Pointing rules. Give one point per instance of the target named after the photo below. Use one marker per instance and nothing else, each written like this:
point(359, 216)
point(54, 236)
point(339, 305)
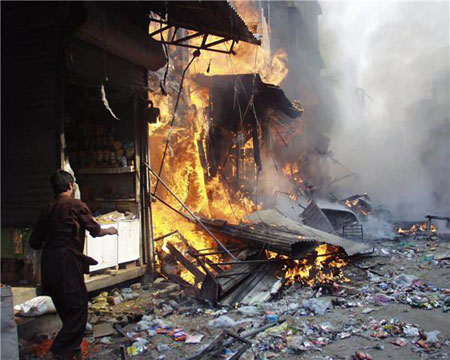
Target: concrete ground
point(354, 321)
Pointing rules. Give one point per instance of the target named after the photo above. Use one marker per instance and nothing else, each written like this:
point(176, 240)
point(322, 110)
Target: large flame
point(183, 170)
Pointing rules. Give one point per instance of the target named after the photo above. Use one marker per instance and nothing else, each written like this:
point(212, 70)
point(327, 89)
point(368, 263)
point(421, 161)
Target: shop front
point(82, 107)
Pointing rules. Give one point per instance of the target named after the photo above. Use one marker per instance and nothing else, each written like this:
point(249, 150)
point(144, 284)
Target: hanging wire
point(194, 56)
point(251, 105)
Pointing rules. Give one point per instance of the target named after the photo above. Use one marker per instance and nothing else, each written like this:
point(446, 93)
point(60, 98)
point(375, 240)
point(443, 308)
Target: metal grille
point(353, 232)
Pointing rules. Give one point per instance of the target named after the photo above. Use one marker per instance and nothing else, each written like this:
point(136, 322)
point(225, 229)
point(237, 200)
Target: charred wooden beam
point(194, 253)
point(199, 276)
point(210, 290)
point(178, 280)
point(243, 349)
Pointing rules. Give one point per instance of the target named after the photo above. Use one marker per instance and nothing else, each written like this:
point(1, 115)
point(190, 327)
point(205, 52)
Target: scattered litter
point(367, 310)
point(382, 300)
point(298, 343)
point(162, 347)
point(362, 356)
point(225, 321)
point(399, 342)
point(103, 329)
point(37, 306)
point(136, 348)
point(317, 306)
point(194, 339)
point(410, 331)
point(249, 310)
point(177, 334)
point(432, 336)
point(446, 305)
point(106, 340)
point(130, 296)
point(405, 280)
point(271, 317)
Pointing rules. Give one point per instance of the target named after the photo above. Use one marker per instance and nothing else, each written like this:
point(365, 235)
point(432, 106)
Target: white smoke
point(394, 51)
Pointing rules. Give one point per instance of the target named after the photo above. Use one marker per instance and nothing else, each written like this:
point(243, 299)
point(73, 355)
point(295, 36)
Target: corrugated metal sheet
point(314, 217)
point(300, 233)
point(87, 63)
point(29, 135)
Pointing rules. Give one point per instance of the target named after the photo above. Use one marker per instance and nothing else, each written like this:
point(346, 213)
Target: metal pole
point(151, 247)
point(190, 212)
point(164, 236)
point(173, 209)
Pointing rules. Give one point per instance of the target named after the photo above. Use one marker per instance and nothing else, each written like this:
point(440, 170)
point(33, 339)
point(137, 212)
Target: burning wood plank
point(199, 276)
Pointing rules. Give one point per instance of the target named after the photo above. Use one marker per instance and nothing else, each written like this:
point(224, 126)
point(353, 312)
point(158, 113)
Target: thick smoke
point(388, 63)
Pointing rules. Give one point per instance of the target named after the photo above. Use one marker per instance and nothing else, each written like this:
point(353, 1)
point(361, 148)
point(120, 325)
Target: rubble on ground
point(395, 301)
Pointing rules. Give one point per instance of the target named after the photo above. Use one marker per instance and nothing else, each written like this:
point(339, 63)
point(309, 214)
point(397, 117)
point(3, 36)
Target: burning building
point(227, 140)
point(179, 132)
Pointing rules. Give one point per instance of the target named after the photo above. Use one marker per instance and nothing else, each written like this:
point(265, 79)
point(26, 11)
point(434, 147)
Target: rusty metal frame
point(183, 41)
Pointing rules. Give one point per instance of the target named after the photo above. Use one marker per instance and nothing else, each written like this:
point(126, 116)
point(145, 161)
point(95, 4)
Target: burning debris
point(358, 203)
point(233, 142)
point(266, 259)
point(426, 228)
point(417, 229)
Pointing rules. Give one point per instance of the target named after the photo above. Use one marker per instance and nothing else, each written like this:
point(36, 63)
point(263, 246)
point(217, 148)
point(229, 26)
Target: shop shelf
point(95, 171)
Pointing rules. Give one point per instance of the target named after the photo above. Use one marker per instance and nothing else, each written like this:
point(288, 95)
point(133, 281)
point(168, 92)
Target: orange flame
point(182, 169)
point(416, 228)
point(323, 267)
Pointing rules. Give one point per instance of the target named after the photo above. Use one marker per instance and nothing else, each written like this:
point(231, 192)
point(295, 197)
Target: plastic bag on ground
point(318, 307)
point(432, 336)
point(37, 306)
point(405, 280)
point(222, 322)
point(249, 310)
point(410, 331)
point(225, 321)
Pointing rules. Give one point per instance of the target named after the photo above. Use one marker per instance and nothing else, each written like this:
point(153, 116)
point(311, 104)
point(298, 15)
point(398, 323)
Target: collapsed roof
point(231, 92)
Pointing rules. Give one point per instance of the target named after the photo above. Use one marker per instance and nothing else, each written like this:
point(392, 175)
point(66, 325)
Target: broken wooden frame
point(194, 217)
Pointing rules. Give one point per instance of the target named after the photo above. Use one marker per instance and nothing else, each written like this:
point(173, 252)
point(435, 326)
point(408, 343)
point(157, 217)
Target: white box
point(103, 249)
point(129, 235)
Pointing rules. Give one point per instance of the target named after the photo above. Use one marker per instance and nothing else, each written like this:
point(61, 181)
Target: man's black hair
point(61, 180)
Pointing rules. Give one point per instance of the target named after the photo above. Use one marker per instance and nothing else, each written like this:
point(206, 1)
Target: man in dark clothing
point(60, 231)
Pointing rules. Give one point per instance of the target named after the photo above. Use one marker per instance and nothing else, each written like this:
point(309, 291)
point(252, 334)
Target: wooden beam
point(199, 276)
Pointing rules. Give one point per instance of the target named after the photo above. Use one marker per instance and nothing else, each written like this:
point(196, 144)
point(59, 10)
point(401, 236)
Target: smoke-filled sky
point(398, 141)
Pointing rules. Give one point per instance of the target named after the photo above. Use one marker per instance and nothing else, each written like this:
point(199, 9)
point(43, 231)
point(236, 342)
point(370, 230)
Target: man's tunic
point(60, 232)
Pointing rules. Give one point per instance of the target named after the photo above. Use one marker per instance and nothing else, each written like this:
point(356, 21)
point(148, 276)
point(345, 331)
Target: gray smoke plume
point(388, 63)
